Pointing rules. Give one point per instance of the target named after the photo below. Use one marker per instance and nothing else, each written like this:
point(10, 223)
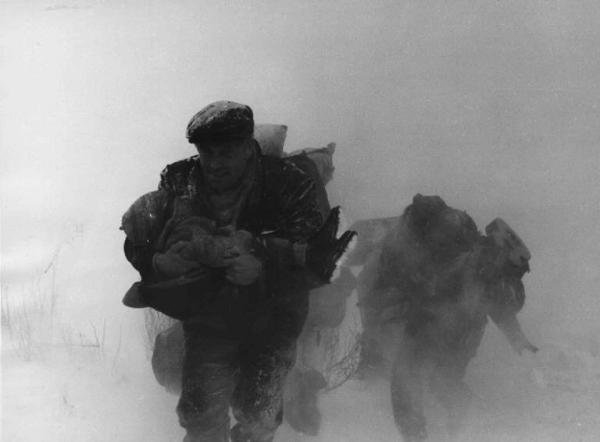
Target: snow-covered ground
point(94, 383)
point(81, 394)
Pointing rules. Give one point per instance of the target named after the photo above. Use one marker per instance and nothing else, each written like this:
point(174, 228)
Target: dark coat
point(279, 203)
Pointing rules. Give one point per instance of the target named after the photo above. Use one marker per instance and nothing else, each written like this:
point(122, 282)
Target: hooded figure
point(425, 297)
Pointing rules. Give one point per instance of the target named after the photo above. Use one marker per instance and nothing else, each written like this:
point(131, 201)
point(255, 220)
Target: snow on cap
point(221, 120)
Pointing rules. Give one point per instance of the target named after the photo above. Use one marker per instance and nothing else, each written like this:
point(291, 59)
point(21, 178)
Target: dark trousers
point(246, 374)
point(440, 359)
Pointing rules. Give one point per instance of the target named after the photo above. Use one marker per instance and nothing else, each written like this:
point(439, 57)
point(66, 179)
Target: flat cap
point(221, 120)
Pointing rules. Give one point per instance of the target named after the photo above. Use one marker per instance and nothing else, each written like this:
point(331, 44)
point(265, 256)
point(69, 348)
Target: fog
point(491, 105)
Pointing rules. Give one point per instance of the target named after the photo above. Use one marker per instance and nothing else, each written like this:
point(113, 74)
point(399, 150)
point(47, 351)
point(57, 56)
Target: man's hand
point(244, 269)
point(325, 249)
point(510, 327)
point(523, 344)
point(213, 251)
point(172, 264)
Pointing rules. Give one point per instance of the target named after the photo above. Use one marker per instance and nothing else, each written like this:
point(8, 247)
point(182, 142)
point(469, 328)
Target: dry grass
point(29, 324)
point(343, 355)
point(21, 317)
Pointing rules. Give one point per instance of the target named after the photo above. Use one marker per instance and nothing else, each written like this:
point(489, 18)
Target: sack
point(271, 138)
point(320, 157)
point(167, 358)
point(370, 238)
point(327, 304)
point(507, 239)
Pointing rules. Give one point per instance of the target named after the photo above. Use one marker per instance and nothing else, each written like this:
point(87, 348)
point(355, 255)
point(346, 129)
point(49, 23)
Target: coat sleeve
point(290, 194)
point(299, 216)
point(143, 224)
point(144, 221)
point(141, 258)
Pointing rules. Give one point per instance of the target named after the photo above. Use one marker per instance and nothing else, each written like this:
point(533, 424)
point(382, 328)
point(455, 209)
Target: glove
point(243, 270)
point(324, 250)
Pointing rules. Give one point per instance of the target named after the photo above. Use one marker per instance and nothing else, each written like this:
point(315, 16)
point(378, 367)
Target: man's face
point(224, 162)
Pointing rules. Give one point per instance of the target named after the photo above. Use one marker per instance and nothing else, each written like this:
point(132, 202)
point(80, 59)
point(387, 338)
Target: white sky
point(491, 105)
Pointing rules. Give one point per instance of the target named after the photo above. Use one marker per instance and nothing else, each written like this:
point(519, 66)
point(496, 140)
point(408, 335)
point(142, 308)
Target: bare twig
point(118, 351)
point(344, 368)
